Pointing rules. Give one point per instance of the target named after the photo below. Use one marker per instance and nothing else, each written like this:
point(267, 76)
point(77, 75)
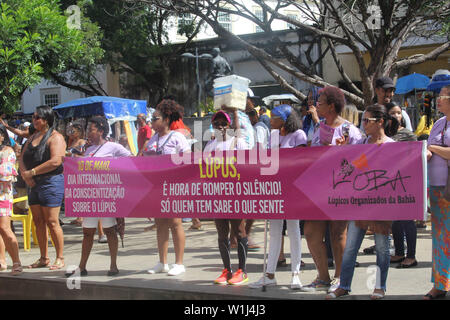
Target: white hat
point(26, 124)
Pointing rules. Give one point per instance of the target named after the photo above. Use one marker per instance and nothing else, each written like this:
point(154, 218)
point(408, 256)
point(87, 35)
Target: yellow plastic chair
point(28, 225)
point(27, 221)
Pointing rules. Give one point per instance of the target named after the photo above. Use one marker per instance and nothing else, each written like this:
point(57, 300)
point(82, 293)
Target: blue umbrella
point(439, 81)
point(415, 81)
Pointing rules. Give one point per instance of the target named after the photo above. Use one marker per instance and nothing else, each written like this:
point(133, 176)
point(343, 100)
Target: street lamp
point(196, 56)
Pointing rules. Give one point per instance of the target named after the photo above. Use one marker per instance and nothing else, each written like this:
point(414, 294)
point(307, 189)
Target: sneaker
point(102, 239)
point(334, 285)
point(176, 270)
point(265, 280)
point(238, 278)
point(295, 282)
point(224, 277)
point(316, 285)
point(159, 268)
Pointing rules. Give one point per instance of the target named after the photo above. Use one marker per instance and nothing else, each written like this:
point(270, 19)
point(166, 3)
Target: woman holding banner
point(330, 104)
point(226, 228)
point(379, 125)
point(97, 131)
point(163, 142)
point(285, 120)
point(438, 175)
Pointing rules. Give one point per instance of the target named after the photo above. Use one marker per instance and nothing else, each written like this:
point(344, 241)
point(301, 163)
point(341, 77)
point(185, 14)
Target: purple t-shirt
point(291, 140)
point(438, 166)
point(108, 149)
point(172, 143)
point(354, 135)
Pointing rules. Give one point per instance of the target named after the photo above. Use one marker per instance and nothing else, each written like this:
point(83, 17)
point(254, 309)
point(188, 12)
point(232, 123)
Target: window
point(50, 97)
point(224, 19)
point(259, 15)
point(293, 17)
point(184, 20)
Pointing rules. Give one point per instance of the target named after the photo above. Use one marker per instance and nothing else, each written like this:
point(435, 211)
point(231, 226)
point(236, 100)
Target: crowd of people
point(39, 165)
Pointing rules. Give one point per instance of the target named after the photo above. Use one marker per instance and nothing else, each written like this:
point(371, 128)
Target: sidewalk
point(203, 265)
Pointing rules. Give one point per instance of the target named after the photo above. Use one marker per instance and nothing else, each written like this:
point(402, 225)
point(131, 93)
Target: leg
point(354, 240)
point(296, 244)
point(223, 230)
point(179, 239)
point(41, 230)
point(411, 240)
point(113, 244)
point(383, 260)
point(9, 239)
point(101, 233)
point(397, 234)
point(238, 225)
point(88, 241)
point(3, 265)
point(275, 234)
point(338, 236)
point(162, 234)
point(51, 216)
point(314, 233)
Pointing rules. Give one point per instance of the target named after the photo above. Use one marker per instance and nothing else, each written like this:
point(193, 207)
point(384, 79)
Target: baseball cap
point(26, 124)
point(221, 112)
point(384, 82)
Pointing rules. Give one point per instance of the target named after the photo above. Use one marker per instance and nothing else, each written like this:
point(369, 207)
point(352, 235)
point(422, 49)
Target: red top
point(144, 133)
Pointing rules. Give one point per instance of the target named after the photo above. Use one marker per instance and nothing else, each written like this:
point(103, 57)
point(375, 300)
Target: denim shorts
point(48, 191)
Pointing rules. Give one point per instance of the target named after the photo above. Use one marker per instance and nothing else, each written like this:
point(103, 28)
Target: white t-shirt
point(172, 143)
point(216, 145)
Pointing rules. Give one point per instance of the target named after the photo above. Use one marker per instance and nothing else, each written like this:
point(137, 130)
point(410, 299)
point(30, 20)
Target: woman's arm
point(22, 169)
point(443, 152)
point(21, 133)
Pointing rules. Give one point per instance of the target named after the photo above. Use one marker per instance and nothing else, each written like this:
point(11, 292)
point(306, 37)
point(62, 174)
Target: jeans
point(355, 237)
point(405, 228)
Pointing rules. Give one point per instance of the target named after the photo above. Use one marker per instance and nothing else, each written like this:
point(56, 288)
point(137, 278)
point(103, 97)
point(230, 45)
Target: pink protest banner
point(354, 182)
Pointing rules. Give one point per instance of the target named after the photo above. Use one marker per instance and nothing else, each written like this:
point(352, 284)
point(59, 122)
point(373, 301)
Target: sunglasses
point(155, 119)
point(36, 117)
point(366, 120)
point(220, 123)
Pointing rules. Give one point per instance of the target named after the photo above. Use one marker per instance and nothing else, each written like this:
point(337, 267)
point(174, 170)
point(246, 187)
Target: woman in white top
point(163, 142)
point(285, 120)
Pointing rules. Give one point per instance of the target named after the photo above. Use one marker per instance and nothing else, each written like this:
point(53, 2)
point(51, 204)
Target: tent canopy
point(438, 82)
point(415, 81)
point(114, 109)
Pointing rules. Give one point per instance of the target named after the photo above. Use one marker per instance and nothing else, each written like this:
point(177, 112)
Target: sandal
point(281, 263)
point(16, 269)
point(429, 296)
point(333, 295)
point(377, 296)
point(59, 264)
point(199, 228)
point(41, 263)
point(3, 267)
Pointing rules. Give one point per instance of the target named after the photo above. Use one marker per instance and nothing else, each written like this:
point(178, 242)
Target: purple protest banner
point(354, 182)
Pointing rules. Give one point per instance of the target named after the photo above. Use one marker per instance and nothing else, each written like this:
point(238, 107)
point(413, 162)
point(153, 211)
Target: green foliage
point(207, 106)
point(35, 42)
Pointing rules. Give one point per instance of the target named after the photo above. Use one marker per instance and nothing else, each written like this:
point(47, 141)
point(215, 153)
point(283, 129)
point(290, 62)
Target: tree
point(376, 28)
point(36, 42)
point(136, 44)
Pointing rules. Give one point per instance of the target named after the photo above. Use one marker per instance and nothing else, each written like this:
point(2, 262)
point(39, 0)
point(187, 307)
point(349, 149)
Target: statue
point(219, 68)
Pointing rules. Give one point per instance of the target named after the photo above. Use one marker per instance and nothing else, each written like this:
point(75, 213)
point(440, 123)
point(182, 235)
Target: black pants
point(237, 228)
point(399, 230)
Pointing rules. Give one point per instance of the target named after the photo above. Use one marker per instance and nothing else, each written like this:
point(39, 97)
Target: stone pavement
point(203, 264)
